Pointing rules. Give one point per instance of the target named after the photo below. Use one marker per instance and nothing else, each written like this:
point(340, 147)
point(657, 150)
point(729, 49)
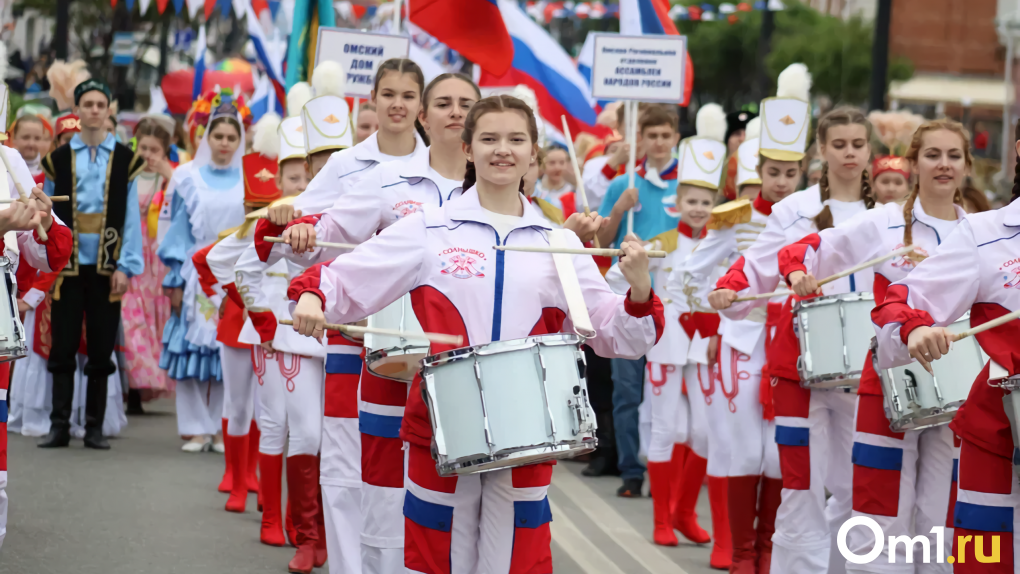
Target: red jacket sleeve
point(792, 257)
point(59, 241)
point(308, 282)
point(205, 275)
point(653, 306)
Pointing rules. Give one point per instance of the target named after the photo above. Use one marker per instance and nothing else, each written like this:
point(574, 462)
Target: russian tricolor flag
point(472, 27)
point(640, 17)
point(541, 64)
point(271, 64)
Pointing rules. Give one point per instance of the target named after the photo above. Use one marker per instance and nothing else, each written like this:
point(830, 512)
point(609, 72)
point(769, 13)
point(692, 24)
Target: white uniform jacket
point(460, 284)
point(680, 328)
point(975, 269)
point(387, 193)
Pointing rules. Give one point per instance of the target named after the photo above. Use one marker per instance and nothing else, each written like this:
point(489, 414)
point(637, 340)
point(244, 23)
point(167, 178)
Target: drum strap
point(11, 237)
point(571, 286)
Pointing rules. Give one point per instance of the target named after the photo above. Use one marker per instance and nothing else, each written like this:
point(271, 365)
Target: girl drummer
point(974, 269)
point(919, 463)
point(813, 427)
point(461, 285)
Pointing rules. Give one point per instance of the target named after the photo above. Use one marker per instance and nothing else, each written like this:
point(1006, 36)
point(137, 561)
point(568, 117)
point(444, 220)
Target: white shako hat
point(292, 141)
point(326, 119)
point(786, 118)
point(703, 157)
point(747, 155)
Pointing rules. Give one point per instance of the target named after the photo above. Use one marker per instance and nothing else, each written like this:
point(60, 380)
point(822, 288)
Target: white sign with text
point(647, 68)
point(360, 54)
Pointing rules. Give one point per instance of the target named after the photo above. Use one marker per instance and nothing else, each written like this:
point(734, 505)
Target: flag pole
point(396, 17)
point(354, 116)
point(631, 121)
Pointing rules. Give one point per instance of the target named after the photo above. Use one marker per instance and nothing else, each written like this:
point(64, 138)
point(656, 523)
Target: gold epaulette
point(666, 241)
point(226, 232)
point(552, 212)
point(729, 214)
point(261, 213)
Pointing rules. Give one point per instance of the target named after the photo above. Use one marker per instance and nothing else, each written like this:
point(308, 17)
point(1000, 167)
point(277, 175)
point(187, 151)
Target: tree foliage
point(837, 51)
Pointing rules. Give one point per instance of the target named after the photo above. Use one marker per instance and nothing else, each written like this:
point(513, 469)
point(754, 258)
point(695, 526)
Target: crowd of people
point(214, 264)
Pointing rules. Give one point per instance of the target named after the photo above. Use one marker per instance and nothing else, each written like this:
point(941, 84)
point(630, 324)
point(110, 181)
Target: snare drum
point(508, 404)
point(834, 333)
point(915, 400)
point(395, 357)
point(1011, 404)
point(12, 332)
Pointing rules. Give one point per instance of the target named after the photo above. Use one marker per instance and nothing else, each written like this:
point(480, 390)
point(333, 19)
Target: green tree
point(837, 51)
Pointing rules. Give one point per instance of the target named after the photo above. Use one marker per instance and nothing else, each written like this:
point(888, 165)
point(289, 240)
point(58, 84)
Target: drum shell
point(508, 378)
point(834, 332)
point(13, 345)
point(395, 357)
point(955, 372)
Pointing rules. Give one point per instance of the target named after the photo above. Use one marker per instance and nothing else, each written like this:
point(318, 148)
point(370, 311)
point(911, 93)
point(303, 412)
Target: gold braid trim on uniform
point(262, 212)
point(47, 166)
point(666, 241)
point(552, 212)
point(729, 214)
point(226, 233)
point(136, 166)
point(244, 228)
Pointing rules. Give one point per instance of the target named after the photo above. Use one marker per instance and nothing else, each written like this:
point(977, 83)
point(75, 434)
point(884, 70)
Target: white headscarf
point(203, 155)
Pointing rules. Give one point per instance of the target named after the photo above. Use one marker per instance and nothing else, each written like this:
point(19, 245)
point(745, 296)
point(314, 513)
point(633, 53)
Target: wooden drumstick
point(569, 251)
point(840, 275)
point(317, 244)
point(54, 199)
point(986, 326)
point(24, 196)
point(355, 330)
point(577, 176)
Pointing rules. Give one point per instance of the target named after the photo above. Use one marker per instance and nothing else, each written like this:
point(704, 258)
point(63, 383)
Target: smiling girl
point(916, 495)
point(497, 519)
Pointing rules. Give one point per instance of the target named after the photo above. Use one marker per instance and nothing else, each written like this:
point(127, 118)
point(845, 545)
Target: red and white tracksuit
point(975, 269)
point(215, 267)
point(497, 521)
point(383, 195)
point(922, 462)
point(814, 428)
point(46, 257)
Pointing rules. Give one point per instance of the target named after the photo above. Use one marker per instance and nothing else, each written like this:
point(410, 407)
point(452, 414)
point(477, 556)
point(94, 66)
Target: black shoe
point(95, 439)
point(57, 437)
point(600, 466)
point(134, 403)
point(631, 488)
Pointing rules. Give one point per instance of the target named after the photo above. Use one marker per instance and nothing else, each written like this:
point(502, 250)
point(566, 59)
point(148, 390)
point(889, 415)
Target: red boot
point(288, 525)
point(302, 486)
point(320, 547)
point(685, 498)
point(272, 487)
point(722, 547)
point(771, 496)
point(237, 453)
point(227, 482)
point(659, 482)
point(253, 457)
point(743, 506)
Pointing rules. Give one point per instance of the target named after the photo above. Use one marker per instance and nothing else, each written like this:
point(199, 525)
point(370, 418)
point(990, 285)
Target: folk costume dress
point(207, 199)
point(498, 521)
point(975, 268)
point(922, 460)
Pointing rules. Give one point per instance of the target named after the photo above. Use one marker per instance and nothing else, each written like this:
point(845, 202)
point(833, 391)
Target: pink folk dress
point(144, 308)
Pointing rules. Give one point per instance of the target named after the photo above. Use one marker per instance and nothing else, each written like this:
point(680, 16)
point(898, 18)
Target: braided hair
point(500, 103)
point(842, 116)
point(913, 153)
point(1016, 170)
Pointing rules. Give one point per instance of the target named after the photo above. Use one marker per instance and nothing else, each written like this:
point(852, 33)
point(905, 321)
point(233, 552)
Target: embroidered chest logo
point(462, 263)
point(1011, 274)
point(407, 207)
point(905, 262)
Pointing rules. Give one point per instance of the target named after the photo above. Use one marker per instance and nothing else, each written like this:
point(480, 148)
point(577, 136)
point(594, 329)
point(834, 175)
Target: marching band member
point(367, 122)
point(675, 475)
point(812, 427)
point(455, 522)
point(99, 174)
point(656, 179)
point(923, 460)
point(736, 134)
point(742, 455)
point(892, 178)
point(599, 171)
point(67, 126)
point(208, 197)
point(389, 193)
point(553, 185)
point(975, 269)
point(30, 137)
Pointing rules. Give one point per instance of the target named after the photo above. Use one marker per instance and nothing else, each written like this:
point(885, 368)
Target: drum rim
point(453, 355)
point(831, 299)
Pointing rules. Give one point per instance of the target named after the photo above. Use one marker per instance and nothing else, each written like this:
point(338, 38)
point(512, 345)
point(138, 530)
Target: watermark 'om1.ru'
point(975, 545)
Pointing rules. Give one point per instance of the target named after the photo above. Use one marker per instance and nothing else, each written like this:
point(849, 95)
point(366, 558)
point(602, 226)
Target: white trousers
point(753, 449)
point(665, 412)
point(924, 461)
point(710, 435)
point(814, 431)
point(199, 407)
point(341, 507)
point(290, 403)
point(239, 382)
